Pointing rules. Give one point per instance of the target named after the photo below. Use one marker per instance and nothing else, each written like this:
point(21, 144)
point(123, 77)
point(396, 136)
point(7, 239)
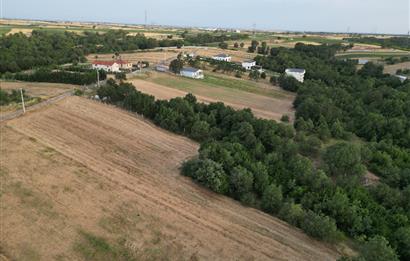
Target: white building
point(362, 61)
point(192, 73)
point(222, 57)
point(298, 74)
point(112, 66)
point(248, 64)
point(402, 78)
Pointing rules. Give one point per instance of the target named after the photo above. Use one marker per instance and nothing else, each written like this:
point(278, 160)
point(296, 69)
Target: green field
point(213, 81)
point(372, 54)
point(4, 29)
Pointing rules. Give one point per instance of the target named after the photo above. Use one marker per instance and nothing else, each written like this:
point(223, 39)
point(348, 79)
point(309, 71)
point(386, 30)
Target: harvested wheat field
point(87, 181)
point(38, 89)
point(151, 57)
point(262, 106)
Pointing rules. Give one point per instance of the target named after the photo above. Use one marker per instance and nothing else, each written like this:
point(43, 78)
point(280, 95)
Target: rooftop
point(222, 55)
point(190, 69)
point(295, 70)
point(109, 63)
point(249, 61)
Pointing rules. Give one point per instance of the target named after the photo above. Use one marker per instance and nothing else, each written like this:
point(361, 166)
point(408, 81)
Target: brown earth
point(391, 69)
point(38, 89)
point(81, 167)
point(262, 106)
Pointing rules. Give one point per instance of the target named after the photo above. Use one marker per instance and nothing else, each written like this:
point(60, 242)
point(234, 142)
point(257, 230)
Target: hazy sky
point(374, 16)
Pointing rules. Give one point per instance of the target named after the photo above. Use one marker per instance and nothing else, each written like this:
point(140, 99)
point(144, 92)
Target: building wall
point(248, 66)
point(298, 76)
point(224, 59)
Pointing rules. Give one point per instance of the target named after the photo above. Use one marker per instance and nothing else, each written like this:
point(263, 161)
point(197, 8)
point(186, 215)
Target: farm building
point(108, 66)
point(112, 66)
point(222, 57)
point(362, 61)
point(192, 73)
point(298, 74)
point(248, 64)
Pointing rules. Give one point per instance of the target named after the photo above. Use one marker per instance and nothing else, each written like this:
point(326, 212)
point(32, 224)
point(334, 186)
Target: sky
point(364, 16)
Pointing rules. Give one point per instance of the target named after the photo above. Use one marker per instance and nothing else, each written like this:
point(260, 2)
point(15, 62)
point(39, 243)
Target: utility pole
point(146, 17)
point(98, 78)
point(22, 100)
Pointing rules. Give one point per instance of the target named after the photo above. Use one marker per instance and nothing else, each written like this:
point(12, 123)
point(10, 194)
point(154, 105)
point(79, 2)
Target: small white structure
point(362, 61)
point(222, 57)
point(108, 66)
point(248, 64)
point(402, 78)
point(298, 74)
point(112, 66)
point(192, 73)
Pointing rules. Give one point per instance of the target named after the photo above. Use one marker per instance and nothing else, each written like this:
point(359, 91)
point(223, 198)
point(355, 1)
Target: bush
point(319, 226)
point(272, 199)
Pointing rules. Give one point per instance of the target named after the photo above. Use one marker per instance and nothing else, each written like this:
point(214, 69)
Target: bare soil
point(80, 165)
point(262, 106)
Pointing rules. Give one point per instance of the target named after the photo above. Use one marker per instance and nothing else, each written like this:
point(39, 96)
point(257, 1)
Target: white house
point(362, 61)
point(192, 73)
point(108, 66)
point(248, 64)
point(222, 57)
point(112, 66)
point(298, 74)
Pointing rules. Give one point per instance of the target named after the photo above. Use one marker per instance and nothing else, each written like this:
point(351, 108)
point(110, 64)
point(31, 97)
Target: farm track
point(127, 160)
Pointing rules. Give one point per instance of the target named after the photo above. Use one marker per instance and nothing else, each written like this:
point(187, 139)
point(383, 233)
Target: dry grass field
point(265, 102)
point(86, 181)
point(391, 69)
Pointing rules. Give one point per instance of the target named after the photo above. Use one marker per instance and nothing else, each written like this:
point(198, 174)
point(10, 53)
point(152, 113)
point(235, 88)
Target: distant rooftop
point(295, 70)
point(222, 55)
point(190, 69)
point(248, 61)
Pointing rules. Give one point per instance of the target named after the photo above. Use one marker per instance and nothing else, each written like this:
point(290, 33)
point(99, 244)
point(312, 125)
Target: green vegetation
point(13, 97)
point(215, 81)
point(374, 54)
point(270, 166)
point(92, 247)
point(59, 76)
point(398, 42)
point(206, 38)
point(4, 30)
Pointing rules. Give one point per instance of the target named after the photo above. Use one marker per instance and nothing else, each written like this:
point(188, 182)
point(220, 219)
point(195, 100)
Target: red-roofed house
point(112, 66)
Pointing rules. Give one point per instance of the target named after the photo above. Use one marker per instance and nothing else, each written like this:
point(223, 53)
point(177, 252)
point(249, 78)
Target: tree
point(371, 69)
point(272, 199)
point(378, 249)
point(263, 75)
point(319, 226)
point(288, 83)
point(241, 181)
point(241, 45)
point(402, 237)
point(344, 159)
point(200, 130)
point(291, 213)
point(120, 76)
point(223, 45)
point(207, 172)
point(235, 45)
point(254, 75)
point(285, 118)
point(176, 65)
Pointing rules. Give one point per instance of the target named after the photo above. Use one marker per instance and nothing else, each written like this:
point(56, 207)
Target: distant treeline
point(205, 38)
point(398, 42)
point(20, 52)
point(59, 76)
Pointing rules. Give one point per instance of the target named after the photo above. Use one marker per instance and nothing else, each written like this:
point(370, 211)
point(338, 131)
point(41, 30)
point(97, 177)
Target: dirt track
point(82, 165)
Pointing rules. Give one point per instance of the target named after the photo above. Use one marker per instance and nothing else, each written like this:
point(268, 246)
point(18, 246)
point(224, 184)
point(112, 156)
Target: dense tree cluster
point(398, 42)
point(216, 37)
point(261, 163)
point(59, 76)
point(21, 52)
point(12, 97)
